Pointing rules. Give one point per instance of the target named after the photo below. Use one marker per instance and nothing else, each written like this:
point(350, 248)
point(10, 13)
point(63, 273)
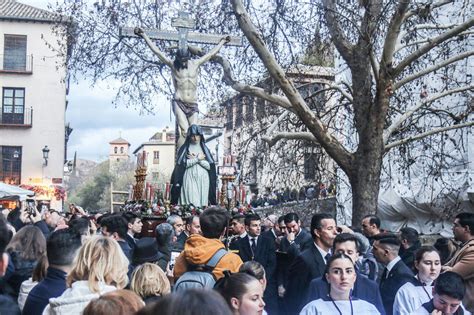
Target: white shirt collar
point(253, 237)
point(243, 234)
point(322, 252)
point(392, 264)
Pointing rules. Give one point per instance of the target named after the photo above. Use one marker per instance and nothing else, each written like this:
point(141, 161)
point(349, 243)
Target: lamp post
point(70, 167)
point(45, 155)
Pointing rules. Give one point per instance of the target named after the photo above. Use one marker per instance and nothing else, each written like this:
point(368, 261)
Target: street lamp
point(70, 167)
point(45, 155)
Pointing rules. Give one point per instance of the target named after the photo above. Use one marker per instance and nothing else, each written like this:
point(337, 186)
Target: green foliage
point(93, 193)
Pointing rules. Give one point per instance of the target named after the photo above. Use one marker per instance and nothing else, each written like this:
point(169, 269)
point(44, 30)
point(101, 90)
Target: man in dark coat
point(295, 241)
point(62, 247)
point(261, 249)
point(184, 154)
point(395, 274)
point(410, 244)
point(311, 263)
point(364, 288)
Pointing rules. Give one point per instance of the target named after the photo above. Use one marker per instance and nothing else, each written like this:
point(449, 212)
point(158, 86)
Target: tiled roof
point(14, 10)
point(118, 140)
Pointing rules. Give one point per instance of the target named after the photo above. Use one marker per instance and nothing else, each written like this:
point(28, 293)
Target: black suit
point(398, 276)
point(269, 234)
point(364, 289)
point(265, 255)
point(132, 242)
point(302, 242)
point(306, 267)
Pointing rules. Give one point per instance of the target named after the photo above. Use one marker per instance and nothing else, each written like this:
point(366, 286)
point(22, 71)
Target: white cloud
point(96, 121)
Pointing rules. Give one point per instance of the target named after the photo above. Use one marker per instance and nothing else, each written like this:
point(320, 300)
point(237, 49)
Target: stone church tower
point(119, 151)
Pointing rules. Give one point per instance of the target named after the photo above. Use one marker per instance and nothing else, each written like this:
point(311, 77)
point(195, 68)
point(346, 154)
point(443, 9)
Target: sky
point(96, 121)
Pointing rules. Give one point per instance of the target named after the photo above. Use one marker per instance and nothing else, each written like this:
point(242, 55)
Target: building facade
point(286, 165)
point(160, 155)
point(33, 83)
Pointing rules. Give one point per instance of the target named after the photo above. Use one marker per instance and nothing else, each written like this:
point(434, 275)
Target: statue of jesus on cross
point(185, 72)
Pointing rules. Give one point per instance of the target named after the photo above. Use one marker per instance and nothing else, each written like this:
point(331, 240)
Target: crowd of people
point(52, 263)
point(279, 196)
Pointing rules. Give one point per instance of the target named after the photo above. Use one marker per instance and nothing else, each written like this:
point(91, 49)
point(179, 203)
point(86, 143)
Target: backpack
point(200, 276)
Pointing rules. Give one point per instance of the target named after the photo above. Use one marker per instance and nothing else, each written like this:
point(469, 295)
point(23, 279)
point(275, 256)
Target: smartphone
point(30, 207)
point(174, 255)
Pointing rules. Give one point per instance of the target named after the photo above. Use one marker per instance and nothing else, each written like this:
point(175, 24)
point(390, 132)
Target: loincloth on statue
point(188, 109)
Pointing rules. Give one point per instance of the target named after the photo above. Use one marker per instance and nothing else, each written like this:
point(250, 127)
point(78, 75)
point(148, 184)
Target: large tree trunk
point(370, 111)
point(365, 182)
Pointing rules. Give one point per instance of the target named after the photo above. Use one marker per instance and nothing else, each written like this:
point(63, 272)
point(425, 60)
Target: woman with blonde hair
point(149, 282)
point(99, 267)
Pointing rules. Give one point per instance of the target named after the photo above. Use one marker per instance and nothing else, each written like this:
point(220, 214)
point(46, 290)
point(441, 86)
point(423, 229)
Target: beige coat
point(463, 264)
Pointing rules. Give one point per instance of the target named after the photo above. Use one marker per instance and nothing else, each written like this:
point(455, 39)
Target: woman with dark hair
point(26, 247)
point(39, 273)
point(189, 302)
point(340, 275)
point(413, 294)
point(242, 292)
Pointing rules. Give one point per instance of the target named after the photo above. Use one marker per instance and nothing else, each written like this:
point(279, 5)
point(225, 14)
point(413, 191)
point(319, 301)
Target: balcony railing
point(16, 120)
point(22, 64)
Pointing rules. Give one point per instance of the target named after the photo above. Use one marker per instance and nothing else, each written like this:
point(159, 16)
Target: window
point(13, 105)
point(121, 150)
point(249, 110)
point(230, 116)
point(312, 155)
point(115, 150)
point(156, 157)
point(260, 109)
point(14, 54)
point(239, 112)
point(10, 167)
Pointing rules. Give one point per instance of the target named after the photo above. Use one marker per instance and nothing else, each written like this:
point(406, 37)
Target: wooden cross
point(183, 23)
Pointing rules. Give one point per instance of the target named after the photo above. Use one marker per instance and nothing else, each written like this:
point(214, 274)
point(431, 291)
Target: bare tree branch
point(427, 7)
point(274, 125)
point(335, 87)
point(432, 43)
point(340, 41)
point(334, 148)
point(426, 134)
point(375, 66)
point(396, 124)
point(393, 32)
point(307, 136)
point(230, 80)
point(446, 62)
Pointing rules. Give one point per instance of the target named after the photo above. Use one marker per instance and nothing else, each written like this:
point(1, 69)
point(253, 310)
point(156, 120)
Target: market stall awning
point(10, 190)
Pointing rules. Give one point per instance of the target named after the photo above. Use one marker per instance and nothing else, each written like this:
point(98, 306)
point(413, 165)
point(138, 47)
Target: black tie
point(384, 274)
point(326, 258)
point(253, 246)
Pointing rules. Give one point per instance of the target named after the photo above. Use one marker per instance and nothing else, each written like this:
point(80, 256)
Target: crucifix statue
point(184, 69)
